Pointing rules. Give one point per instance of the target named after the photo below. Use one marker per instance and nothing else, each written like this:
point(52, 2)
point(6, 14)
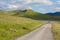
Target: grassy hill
point(19, 22)
point(34, 15)
point(13, 26)
point(29, 14)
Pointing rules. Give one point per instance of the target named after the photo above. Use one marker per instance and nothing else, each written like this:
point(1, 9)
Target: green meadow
point(12, 27)
point(17, 23)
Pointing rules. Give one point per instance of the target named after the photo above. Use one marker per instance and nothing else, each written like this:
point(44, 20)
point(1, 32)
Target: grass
point(12, 26)
point(56, 30)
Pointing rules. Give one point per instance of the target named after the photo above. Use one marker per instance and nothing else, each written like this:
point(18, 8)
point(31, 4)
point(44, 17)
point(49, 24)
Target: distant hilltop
point(53, 14)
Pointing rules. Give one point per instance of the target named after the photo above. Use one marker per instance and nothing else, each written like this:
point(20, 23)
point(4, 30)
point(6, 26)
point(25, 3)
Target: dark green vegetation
point(14, 26)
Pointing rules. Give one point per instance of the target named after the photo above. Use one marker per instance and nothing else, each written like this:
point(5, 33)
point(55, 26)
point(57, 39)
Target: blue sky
point(43, 6)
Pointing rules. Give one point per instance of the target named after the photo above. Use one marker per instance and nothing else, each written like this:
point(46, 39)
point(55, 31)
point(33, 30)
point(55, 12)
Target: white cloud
point(38, 2)
point(42, 9)
point(58, 2)
point(24, 4)
point(2, 3)
point(28, 1)
point(57, 8)
point(46, 2)
point(12, 6)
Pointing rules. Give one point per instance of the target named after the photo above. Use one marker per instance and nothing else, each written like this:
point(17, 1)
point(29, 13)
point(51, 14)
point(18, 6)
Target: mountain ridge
point(53, 14)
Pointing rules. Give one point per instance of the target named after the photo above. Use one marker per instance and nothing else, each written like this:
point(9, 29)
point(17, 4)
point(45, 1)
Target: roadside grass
point(56, 30)
point(12, 26)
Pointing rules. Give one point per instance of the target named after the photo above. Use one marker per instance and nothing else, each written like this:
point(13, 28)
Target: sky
point(43, 6)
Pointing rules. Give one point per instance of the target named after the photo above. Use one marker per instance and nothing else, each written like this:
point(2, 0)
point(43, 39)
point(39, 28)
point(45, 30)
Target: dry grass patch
point(56, 30)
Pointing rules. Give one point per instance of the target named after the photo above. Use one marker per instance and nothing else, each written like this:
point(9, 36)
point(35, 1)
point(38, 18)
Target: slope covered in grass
point(34, 15)
point(56, 30)
point(31, 14)
point(12, 26)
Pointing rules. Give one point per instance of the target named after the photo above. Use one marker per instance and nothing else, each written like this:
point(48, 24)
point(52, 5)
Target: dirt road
point(43, 33)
